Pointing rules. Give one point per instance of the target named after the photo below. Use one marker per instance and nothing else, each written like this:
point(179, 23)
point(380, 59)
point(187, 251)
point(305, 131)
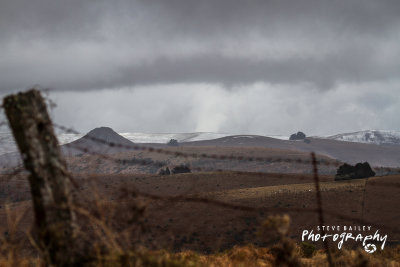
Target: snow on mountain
point(370, 136)
point(163, 138)
point(89, 142)
point(280, 137)
point(7, 143)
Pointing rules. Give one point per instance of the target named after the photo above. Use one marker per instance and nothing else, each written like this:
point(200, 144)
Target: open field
point(223, 204)
point(112, 163)
point(176, 225)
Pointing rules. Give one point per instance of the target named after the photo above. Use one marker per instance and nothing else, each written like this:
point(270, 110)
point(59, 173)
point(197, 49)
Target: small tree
point(298, 136)
point(360, 170)
point(173, 142)
point(165, 171)
point(181, 169)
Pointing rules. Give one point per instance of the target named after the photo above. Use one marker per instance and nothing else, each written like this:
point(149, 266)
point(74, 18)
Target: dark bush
point(360, 170)
point(173, 142)
point(180, 169)
point(165, 171)
point(298, 136)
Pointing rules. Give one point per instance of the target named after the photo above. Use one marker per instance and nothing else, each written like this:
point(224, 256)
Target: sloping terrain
point(129, 162)
point(177, 224)
point(371, 137)
point(376, 155)
point(97, 141)
point(349, 152)
point(7, 144)
point(163, 138)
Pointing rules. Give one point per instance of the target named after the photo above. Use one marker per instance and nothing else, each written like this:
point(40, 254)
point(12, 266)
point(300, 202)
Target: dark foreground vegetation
point(360, 170)
point(104, 248)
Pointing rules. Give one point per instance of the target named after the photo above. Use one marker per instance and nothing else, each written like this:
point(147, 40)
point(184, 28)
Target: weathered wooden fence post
point(319, 207)
point(49, 182)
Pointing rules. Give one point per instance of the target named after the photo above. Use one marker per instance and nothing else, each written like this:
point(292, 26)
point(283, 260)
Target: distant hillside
point(74, 148)
point(371, 137)
point(89, 142)
point(7, 144)
point(163, 138)
point(376, 155)
point(379, 148)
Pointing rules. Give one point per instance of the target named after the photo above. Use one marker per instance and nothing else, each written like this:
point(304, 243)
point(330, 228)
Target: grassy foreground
point(101, 238)
point(284, 254)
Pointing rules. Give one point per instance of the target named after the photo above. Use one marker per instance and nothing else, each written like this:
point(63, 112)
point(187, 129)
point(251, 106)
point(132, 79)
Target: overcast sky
point(260, 66)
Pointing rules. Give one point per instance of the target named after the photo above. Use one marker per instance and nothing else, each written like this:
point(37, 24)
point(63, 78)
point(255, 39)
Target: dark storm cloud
point(230, 71)
point(78, 45)
point(24, 20)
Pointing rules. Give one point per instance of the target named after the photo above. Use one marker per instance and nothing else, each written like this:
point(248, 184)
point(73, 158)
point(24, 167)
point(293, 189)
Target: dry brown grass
point(249, 255)
point(110, 221)
point(285, 253)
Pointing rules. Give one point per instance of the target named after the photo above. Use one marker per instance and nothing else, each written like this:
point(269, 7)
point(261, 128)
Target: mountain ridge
point(90, 142)
point(378, 137)
point(378, 154)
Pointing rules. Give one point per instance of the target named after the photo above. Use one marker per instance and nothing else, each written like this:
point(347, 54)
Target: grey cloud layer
point(79, 45)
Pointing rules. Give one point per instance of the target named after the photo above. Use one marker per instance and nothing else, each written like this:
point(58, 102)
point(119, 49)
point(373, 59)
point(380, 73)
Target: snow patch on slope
point(370, 136)
point(163, 138)
point(7, 144)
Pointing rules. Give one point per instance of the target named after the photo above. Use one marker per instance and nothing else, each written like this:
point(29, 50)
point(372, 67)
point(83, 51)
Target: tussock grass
point(106, 248)
point(109, 234)
point(248, 256)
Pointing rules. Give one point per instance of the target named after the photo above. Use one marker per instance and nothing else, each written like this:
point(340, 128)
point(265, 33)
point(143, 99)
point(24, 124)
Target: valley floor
point(184, 212)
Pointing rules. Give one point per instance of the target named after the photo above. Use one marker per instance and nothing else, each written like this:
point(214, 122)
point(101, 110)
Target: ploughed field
point(184, 211)
point(127, 162)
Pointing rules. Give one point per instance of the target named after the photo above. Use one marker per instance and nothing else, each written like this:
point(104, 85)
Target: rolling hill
point(369, 137)
point(377, 155)
point(385, 155)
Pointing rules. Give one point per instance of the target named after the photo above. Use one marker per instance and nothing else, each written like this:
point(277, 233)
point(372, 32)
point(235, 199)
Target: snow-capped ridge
point(163, 138)
point(7, 144)
point(378, 137)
